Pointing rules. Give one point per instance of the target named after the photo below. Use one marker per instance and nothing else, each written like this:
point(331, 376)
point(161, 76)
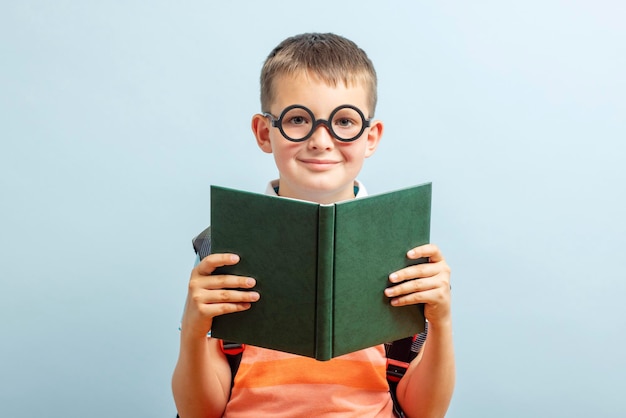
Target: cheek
point(354, 153)
point(283, 153)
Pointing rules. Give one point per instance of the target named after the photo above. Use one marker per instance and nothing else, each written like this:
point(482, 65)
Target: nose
point(321, 138)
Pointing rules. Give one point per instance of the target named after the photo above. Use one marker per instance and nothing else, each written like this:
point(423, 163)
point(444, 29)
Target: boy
point(318, 95)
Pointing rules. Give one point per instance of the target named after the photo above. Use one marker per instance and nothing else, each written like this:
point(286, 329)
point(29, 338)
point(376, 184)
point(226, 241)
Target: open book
point(321, 270)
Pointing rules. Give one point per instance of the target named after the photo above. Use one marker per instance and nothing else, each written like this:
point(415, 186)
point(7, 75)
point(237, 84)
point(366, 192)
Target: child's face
point(322, 168)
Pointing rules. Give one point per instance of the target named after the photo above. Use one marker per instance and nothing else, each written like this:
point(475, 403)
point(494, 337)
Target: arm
point(426, 388)
point(202, 377)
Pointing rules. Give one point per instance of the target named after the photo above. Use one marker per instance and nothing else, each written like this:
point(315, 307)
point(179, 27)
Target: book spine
point(325, 273)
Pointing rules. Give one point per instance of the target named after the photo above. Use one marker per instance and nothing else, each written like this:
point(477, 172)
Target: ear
point(373, 137)
point(261, 130)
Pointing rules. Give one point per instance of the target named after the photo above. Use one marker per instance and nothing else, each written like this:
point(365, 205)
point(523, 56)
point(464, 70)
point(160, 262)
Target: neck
point(317, 196)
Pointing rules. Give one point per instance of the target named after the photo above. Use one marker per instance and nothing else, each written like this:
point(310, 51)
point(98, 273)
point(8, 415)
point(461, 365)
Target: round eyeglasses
point(297, 123)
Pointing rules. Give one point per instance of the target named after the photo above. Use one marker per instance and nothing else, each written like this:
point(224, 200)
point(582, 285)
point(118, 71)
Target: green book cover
point(321, 270)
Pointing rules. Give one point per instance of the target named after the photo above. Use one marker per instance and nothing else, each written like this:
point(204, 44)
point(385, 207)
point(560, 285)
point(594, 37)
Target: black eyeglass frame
point(278, 122)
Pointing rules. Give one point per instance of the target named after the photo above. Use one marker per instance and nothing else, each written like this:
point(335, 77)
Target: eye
point(296, 117)
point(344, 122)
point(347, 119)
point(298, 120)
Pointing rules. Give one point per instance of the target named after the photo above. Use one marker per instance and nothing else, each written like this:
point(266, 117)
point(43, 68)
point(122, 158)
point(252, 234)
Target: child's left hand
point(427, 283)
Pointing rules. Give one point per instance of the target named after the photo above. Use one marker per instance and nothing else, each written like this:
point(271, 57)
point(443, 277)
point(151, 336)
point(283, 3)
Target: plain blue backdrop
point(115, 117)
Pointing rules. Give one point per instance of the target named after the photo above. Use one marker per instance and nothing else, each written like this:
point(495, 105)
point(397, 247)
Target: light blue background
point(116, 117)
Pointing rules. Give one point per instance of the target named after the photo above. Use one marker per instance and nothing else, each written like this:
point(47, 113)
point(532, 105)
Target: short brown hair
point(330, 57)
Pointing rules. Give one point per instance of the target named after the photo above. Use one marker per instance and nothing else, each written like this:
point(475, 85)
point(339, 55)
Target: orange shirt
point(275, 384)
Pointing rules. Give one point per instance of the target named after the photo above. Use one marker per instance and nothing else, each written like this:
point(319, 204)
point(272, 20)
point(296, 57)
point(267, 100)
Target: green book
point(321, 270)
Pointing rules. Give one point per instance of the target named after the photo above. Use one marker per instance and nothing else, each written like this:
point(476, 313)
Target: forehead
point(318, 95)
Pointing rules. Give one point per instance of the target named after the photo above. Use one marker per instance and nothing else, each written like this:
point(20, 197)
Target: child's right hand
point(212, 295)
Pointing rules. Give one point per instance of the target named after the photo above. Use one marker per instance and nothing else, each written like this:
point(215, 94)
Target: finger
point(207, 297)
point(410, 299)
point(214, 303)
point(217, 309)
point(213, 261)
point(417, 271)
point(434, 296)
point(412, 286)
point(224, 281)
point(429, 250)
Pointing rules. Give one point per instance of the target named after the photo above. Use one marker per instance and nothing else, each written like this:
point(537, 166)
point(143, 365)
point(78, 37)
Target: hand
point(212, 295)
point(427, 283)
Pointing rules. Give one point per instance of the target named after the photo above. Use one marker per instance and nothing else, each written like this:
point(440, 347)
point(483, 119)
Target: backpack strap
point(233, 353)
point(202, 243)
point(400, 353)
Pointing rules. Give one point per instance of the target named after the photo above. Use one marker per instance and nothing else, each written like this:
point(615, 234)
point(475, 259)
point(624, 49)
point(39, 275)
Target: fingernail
point(250, 282)
point(411, 253)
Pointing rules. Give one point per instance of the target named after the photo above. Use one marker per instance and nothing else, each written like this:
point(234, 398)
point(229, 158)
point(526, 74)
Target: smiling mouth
point(315, 164)
point(320, 162)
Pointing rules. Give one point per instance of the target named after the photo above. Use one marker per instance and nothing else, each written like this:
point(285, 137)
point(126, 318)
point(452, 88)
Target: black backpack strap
point(202, 243)
point(399, 354)
point(233, 353)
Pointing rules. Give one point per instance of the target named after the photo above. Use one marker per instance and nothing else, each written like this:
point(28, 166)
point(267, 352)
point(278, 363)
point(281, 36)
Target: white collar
point(272, 186)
